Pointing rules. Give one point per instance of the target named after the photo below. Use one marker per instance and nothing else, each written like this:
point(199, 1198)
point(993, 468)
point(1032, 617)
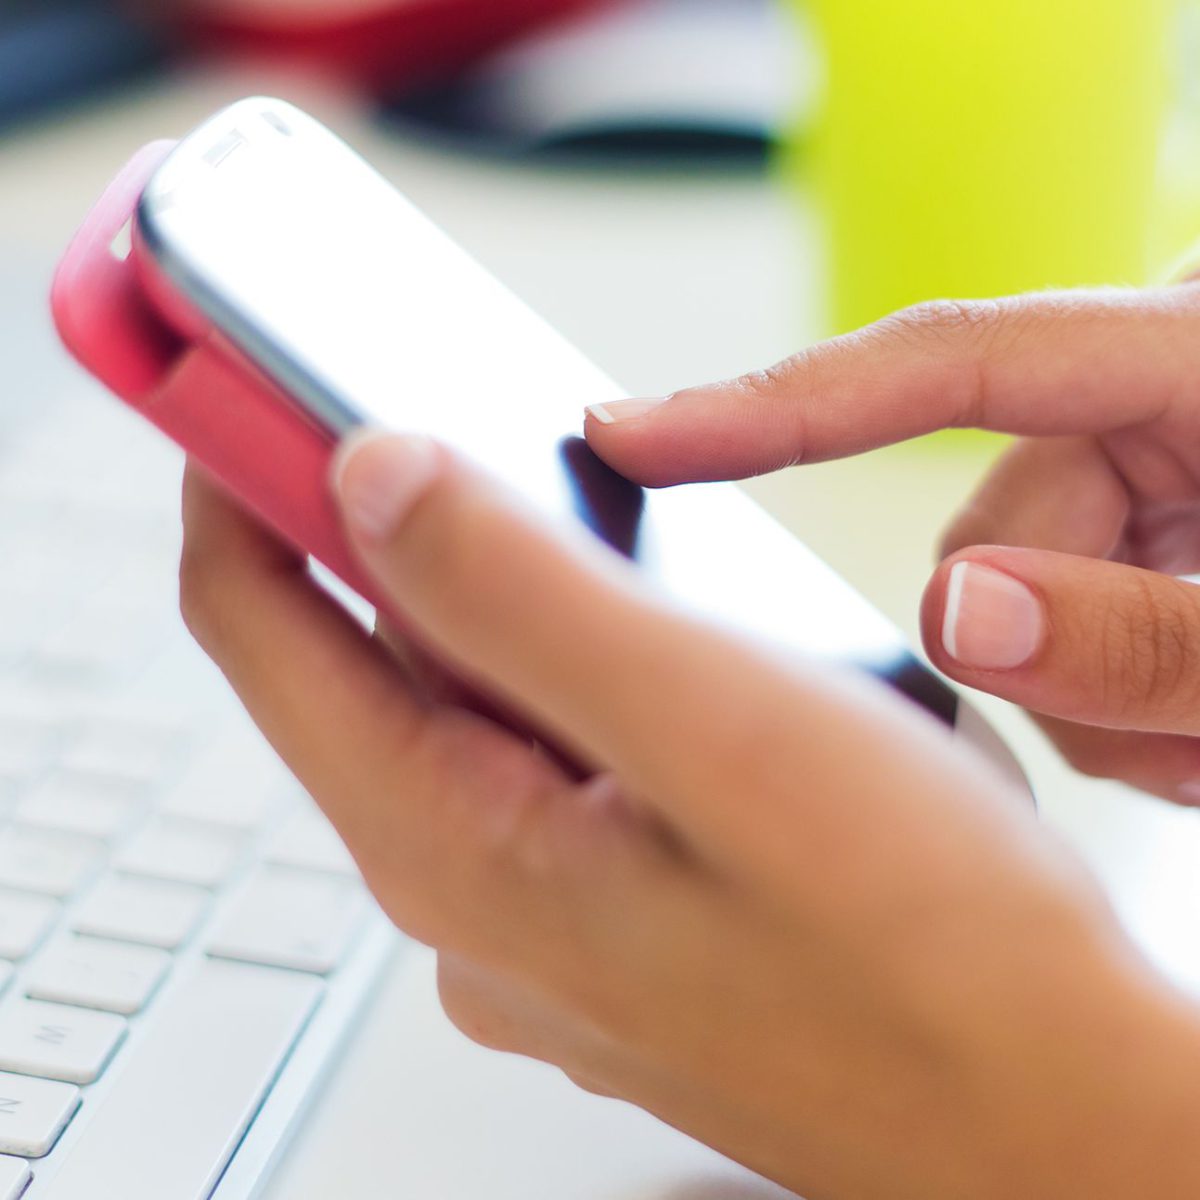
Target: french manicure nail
point(379, 476)
point(992, 621)
point(624, 410)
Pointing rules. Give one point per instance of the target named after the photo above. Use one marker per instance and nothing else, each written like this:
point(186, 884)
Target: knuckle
point(500, 838)
point(468, 1009)
point(783, 395)
point(199, 602)
point(969, 337)
point(499, 867)
point(586, 1083)
point(945, 320)
point(767, 382)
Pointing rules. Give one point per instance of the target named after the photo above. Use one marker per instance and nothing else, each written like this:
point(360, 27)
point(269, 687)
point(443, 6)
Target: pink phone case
point(195, 387)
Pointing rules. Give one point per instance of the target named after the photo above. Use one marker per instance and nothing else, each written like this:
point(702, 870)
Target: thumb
point(554, 626)
point(1084, 639)
point(1057, 364)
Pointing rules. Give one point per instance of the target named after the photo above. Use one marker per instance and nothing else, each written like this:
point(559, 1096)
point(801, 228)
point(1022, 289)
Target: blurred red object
point(390, 42)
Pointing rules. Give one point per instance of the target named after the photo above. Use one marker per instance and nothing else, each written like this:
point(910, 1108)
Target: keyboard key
point(24, 921)
point(90, 805)
point(237, 781)
point(33, 1114)
point(35, 860)
point(148, 911)
point(26, 748)
point(296, 919)
point(140, 751)
point(307, 840)
point(191, 1087)
point(27, 615)
point(181, 851)
point(97, 974)
point(52, 1041)
point(14, 1177)
point(104, 643)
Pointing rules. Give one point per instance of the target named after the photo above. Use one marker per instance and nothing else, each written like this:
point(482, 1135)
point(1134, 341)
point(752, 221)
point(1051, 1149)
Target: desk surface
point(663, 281)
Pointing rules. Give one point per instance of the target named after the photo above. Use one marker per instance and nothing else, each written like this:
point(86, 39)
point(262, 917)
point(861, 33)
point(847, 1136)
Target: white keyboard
point(183, 939)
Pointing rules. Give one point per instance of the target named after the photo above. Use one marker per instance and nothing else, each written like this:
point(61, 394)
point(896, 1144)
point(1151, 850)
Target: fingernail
point(378, 477)
point(1189, 794)
point(624, 410)
point(993, 622)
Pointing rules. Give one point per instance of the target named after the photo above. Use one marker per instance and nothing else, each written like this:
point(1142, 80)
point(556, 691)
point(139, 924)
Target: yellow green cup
point(971, 148)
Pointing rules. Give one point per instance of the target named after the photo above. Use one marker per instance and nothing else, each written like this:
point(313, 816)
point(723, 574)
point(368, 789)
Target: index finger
point(1056, 363)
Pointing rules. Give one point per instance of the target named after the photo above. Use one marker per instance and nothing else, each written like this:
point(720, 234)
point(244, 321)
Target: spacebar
point(177, 1111)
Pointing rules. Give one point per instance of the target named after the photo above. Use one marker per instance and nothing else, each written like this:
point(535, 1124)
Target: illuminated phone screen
point(335, 286)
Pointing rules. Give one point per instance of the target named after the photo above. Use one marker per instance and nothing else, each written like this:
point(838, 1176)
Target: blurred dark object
point(397, 43)
point(656, 83)
point(53, 54)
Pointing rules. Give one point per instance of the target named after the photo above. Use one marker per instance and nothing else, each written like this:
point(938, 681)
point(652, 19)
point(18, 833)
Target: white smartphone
point(265, 227)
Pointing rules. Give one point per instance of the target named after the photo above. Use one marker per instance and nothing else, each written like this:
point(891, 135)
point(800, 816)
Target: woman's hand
point(782, 909)
point(1058, 591)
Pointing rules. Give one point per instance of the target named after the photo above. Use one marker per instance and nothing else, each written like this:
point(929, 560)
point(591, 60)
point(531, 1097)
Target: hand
point(1058, 591)
point(864, 974)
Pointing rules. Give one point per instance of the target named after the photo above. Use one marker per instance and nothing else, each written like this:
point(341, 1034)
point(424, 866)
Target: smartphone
point(281, 293)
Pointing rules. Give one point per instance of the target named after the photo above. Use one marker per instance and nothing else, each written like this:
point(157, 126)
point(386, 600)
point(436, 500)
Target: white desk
point(664, 281)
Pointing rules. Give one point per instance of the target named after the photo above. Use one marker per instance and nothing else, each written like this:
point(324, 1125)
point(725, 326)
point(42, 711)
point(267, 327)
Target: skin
point(863, 974)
